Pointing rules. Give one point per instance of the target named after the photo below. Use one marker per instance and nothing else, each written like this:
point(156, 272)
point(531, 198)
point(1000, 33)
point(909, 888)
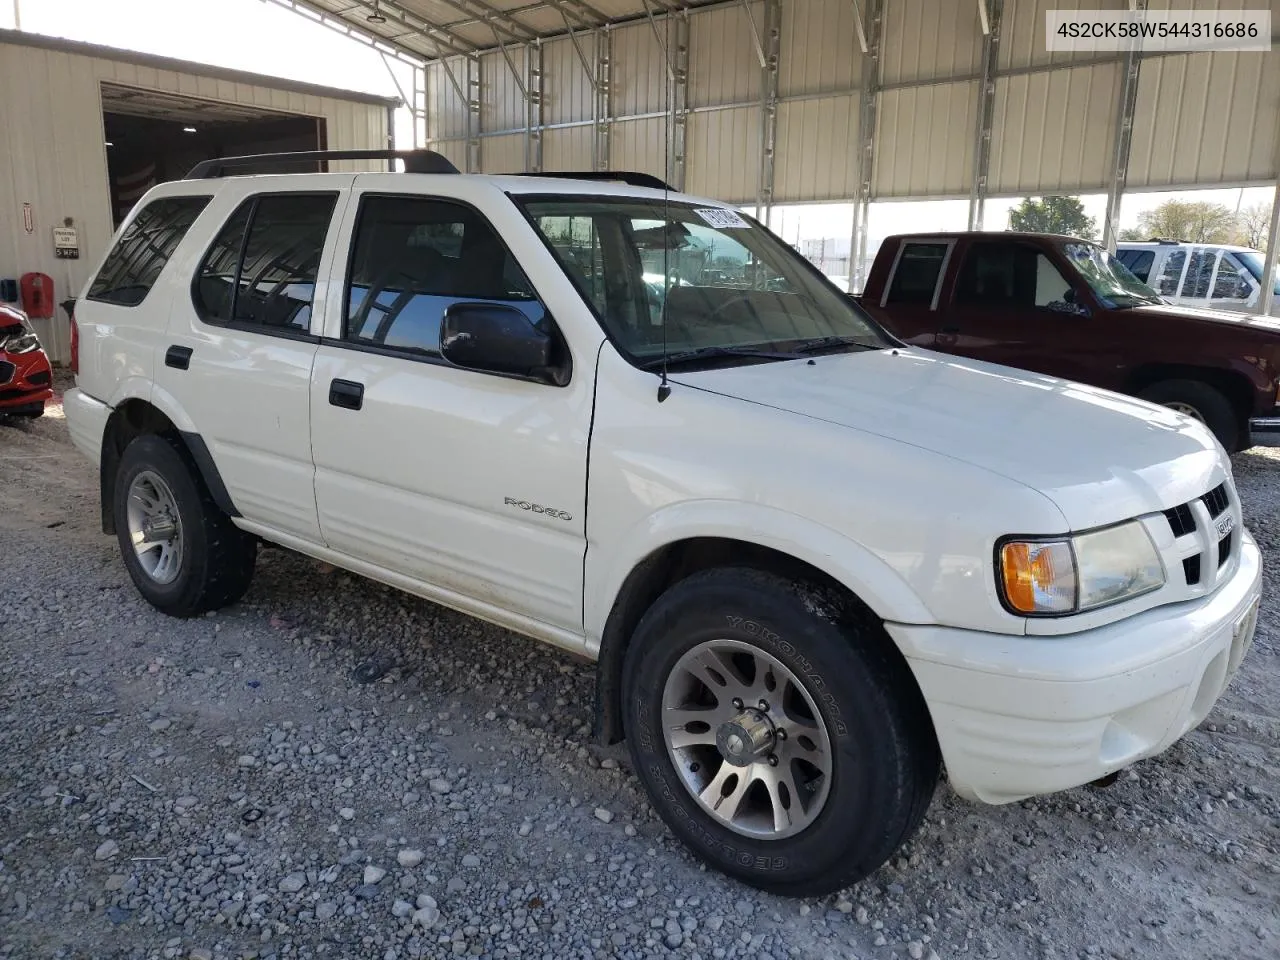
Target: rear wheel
point(184, 555)
point(1202, 402)
point(786, 749)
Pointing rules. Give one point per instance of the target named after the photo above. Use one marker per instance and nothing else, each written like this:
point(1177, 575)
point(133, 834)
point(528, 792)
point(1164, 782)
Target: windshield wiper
point(832, 343)
point(714, 353)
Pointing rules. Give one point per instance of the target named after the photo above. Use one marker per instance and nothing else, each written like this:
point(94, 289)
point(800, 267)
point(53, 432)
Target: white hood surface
point(1101, 457)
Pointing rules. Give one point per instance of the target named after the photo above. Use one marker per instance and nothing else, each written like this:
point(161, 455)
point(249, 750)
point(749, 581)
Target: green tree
point(1060, 215)
point(1190, 222)
point(1252, 225)
point(1132, 233)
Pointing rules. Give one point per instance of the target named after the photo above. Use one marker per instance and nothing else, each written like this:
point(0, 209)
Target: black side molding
point(178, 357)
point(209, 472)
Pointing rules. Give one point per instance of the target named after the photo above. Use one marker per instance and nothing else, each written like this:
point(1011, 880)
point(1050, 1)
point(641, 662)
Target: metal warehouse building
point(85, 130)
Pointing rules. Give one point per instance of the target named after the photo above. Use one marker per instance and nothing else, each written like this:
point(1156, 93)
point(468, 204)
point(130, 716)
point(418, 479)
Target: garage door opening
point(154, 136)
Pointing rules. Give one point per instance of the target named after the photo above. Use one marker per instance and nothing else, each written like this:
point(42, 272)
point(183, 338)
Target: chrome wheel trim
point(1185, 408)
point(778, 784)
point(155, 527)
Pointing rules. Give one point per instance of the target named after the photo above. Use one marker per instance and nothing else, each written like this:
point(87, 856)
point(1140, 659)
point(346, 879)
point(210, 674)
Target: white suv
point(811, 562)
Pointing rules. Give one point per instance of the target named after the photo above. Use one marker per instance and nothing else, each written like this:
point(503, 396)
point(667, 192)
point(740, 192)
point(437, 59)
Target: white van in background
point(1211, 275)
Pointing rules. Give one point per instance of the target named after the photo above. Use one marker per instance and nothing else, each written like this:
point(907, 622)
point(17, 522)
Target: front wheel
point(1201, 402)
point(785, 748)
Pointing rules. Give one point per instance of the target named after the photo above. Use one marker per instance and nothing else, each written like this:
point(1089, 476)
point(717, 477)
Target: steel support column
point(679, 79)
point(1123, 137)
point(533, 103)
point(990, 13)
point(473, 115)
point(864, 163)
point(603, 99)
point(771, 45)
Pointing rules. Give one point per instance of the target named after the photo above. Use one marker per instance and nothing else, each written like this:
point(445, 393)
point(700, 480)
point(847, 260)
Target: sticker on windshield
point(721, 218)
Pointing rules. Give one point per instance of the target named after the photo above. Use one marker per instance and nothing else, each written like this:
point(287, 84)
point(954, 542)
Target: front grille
point(40, 377)
point(1224, 549)
point(6, 371)
point(1217, 500)
point(1181, 520)
point(14, 394)
point(1191, 569)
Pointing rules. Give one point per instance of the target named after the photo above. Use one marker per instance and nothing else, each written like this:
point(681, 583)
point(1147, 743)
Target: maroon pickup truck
point(1066, 308)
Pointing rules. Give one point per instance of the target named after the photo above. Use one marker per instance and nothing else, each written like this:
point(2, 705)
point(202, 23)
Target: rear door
point(908, 306)
point(1012, 304)
point(241, 343)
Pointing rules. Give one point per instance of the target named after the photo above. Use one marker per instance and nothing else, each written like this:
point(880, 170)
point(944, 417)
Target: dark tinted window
point(1167, 283)
point(1138, 261)
point(1199, 273)
point(268, 277)
point(1010, 275)
point(134, 263)
point(414, 257)
point(916, 276)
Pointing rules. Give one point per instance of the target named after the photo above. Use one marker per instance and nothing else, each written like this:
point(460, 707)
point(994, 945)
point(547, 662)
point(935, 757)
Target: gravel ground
point(235, 786)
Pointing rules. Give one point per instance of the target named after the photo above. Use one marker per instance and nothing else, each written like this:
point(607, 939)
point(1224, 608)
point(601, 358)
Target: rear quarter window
point(140, 253)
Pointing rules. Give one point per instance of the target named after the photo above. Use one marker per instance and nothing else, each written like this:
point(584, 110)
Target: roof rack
point(415, 161)
point(631, 177)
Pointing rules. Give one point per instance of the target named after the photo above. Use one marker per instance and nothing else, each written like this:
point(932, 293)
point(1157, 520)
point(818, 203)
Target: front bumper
point(26, 381)
point(1018, 716)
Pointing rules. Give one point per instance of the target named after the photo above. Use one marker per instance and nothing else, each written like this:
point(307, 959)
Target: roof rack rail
point(631, 177)
point(415, 161)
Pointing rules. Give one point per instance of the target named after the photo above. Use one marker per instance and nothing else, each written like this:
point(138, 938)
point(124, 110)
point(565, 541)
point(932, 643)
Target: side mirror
point(494, 337)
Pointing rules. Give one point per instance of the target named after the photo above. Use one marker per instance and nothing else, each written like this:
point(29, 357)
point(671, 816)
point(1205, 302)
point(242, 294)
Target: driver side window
point(1010, 275)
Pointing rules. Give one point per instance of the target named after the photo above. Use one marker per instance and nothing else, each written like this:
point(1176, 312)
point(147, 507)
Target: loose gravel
point(334, 769)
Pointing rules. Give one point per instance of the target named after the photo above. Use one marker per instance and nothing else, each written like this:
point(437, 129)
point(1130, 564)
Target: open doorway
point(153, 136)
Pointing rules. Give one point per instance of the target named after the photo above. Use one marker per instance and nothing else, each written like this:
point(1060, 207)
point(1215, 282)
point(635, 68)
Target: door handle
point(346, 393)
point(178, 357)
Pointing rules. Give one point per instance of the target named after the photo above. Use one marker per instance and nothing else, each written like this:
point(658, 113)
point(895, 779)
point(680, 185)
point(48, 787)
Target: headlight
point(22, 343)
point(1073, 574)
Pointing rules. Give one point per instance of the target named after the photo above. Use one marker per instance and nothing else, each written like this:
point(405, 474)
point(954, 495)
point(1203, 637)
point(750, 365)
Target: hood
point(1099, 456)
point(1228, 317)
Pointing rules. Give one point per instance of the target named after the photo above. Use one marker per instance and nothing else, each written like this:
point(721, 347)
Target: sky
point(246, 35)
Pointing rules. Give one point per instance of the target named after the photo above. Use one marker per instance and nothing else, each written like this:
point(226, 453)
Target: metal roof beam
point(335, 22)
point(494, 19)
point(444, 40)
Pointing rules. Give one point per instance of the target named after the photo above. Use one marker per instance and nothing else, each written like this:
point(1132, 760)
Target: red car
point(26, 378)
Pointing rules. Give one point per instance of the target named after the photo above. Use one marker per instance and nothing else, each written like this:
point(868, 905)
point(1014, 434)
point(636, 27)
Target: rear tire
point(205, 562)
point(832, 685)
point(1207, 404)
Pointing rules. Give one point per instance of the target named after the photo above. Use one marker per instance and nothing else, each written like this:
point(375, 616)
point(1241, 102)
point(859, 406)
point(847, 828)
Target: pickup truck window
point(1109, 279)
point(1010, 275)
point(713, 278)
point(414, 257)
point(261, 268)
point(915, 277)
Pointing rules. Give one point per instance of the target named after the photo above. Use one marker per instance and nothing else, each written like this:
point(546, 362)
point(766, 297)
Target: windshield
point(732, 291)
point(1256, 264)
point(1108, 277)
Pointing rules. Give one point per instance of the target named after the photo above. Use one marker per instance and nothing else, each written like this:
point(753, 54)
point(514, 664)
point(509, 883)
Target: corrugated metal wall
point(1201, 118)
point(51, 139)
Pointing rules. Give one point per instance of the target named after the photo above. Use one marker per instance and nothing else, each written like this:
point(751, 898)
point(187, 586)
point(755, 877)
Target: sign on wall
point(66, 243)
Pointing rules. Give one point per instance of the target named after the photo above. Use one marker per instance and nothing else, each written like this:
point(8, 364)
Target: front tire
point(784, 747)
point(184, 554)
point(1201, 401)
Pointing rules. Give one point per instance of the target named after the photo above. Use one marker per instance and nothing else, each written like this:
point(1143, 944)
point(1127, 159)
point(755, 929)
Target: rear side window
point(414, 257)
point(135, 261)
point(1138, 261)
point(261, 269)
point(916, 276)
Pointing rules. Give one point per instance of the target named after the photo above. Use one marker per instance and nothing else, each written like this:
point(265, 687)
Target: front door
point(470, 482)
point(1012, 305)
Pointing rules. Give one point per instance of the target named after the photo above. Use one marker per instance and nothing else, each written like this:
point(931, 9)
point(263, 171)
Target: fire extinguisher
point(37, 295)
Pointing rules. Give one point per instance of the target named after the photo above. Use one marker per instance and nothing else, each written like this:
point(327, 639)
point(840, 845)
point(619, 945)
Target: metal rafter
point(602, 101)
point(864, 163)
point(990, 14)
point(444, 39)
point(493, 18)
point(1123, 138)
point(337, 24)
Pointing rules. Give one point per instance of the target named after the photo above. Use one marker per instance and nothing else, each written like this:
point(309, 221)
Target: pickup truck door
point(908, 304)
point(471, 483)
point(1012, 304)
